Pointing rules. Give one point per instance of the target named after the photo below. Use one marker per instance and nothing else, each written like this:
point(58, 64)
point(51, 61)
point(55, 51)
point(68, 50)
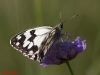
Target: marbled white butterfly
point(36, 42)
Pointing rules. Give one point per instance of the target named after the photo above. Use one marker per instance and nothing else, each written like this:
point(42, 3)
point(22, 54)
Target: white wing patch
point(42, 30)
point(39, 39)
point(18, 37)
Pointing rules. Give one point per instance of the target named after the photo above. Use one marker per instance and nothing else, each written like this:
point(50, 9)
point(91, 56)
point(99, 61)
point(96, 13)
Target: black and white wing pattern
point(29, 41)
point(36, 42)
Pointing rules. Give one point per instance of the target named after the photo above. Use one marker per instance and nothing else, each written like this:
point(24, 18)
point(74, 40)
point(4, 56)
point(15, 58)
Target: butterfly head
point(59, 26)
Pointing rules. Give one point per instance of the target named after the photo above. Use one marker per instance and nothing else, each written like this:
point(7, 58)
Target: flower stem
point(67, 62)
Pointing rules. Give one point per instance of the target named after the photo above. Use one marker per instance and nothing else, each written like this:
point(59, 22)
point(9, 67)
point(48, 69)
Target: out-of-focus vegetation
point(18, 15)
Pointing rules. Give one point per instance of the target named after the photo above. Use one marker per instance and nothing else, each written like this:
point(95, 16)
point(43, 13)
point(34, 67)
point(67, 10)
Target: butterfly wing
point(29, 41)
point(49, 42)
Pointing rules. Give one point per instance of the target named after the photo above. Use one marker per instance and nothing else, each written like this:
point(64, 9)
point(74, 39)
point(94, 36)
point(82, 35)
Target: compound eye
point(61, 25)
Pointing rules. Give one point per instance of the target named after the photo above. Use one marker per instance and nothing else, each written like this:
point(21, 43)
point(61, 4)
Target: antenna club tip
point(77, 15)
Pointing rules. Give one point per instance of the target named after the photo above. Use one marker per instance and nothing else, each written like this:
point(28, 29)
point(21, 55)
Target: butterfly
point(36, 42)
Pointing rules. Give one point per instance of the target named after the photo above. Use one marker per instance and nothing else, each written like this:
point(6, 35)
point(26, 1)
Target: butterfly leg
point(68, 35)
point(62, 37)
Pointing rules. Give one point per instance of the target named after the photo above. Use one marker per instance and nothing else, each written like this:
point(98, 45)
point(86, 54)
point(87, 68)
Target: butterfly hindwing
point(29, 41)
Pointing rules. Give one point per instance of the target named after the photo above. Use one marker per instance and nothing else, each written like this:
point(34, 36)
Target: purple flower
point(63, 51)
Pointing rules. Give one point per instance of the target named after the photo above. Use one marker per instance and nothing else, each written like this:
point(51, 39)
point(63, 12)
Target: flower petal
point(63, 51)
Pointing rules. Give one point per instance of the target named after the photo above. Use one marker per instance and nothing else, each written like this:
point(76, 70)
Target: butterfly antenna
point(70, 18)
point(60, 16)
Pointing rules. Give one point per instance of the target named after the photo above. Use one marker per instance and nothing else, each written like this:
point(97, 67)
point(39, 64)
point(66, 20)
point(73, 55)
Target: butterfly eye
point(61, 25)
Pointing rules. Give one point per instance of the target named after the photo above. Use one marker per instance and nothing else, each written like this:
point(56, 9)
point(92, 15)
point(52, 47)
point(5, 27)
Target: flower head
point(63, 51)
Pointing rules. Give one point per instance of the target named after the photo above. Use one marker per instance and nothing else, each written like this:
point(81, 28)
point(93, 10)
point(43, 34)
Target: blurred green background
point(18, 15)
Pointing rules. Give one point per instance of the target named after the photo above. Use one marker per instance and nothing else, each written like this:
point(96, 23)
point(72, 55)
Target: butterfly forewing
point(29, 41)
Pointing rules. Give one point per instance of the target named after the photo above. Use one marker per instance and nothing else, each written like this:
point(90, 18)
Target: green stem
point(67, 62)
